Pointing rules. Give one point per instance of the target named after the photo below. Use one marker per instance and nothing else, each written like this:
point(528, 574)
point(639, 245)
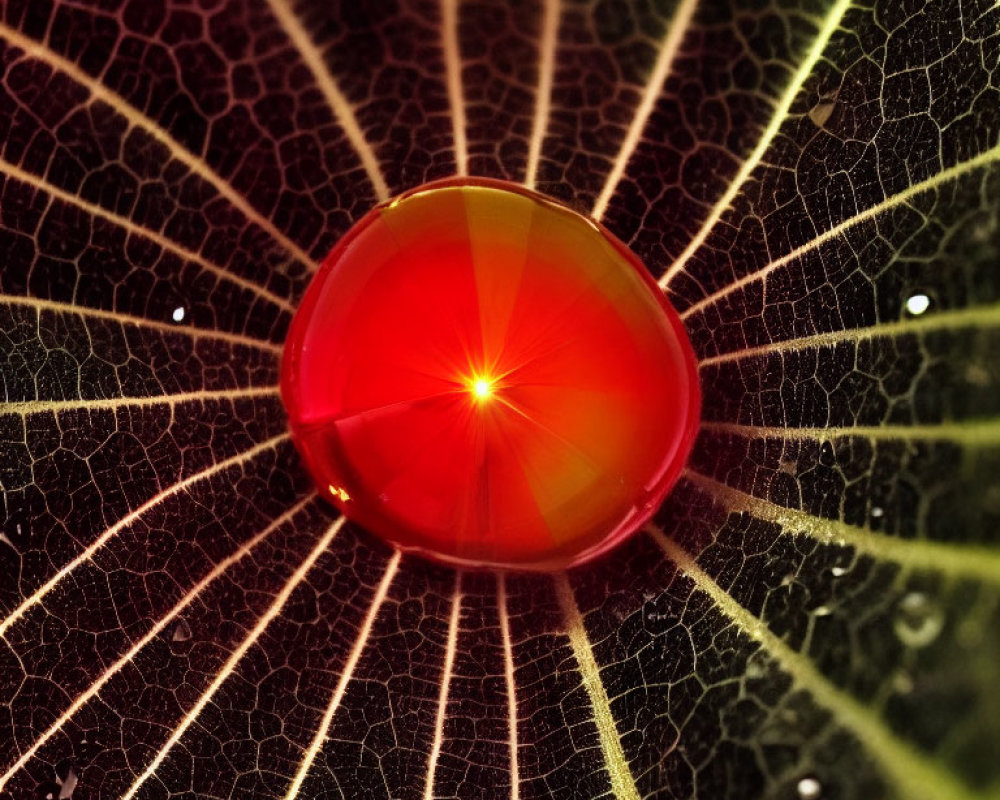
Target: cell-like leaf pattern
point(813, 611)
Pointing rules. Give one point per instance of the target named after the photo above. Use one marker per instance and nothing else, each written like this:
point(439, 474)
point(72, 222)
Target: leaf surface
point(816, 601)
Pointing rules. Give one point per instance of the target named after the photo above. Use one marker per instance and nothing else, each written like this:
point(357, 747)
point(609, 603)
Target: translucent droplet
point(918, 621)
point(179, 314)
point(820, 113)
point(510, 414)
point(809, 789)
point(902, 683)
point(838, 571)
point(755, 667)
point(68, 785)
point(917, 304)
point(182, 632)
point(877, 511)
point(822, 611)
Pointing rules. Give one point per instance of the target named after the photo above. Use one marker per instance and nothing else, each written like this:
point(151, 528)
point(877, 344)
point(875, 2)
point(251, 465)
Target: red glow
point(485, 377)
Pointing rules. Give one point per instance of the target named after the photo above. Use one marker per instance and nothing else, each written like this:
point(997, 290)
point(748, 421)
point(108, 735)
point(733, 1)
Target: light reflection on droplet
point(179, 314)
point(838, 571)
point(809, 789)
point(917, 304)
point(918, 621)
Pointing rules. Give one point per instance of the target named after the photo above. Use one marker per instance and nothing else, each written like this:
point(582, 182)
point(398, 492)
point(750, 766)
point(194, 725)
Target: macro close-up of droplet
point(499, 400)
point(482, 376)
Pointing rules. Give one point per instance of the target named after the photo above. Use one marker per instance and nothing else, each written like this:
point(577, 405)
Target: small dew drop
point(918, 621)
point(809, 789)
point(179, 314)
point(755, 667)
point(820, 113)
point(917, 304)
point(822, 611)
point(902, 683)
point(977, 375)
point(838, 571)
point(877, 512)
point(182, 632)
point(68, 785)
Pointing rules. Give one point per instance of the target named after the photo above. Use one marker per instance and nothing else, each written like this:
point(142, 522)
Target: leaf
point(816, 605)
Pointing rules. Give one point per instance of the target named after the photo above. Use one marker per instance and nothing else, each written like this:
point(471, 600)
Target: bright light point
point(482, 388)
point(340, 493)
point(918, 304)
point(179, 314)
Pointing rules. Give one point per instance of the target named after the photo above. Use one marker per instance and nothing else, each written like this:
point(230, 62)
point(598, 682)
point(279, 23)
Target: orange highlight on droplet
point(487, 378)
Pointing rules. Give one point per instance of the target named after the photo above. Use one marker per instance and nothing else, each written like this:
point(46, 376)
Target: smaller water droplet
point(838, 571)
point(182, 631)
point(902, 683)
point(877, 511)
point(179, 314)
point(822, 611)
point(788, 466)
point(918, 621)
point(820, 113)
point(755, 667)
point(917, 304)
point(809, 789)
point(977, 375)
point(68, 785)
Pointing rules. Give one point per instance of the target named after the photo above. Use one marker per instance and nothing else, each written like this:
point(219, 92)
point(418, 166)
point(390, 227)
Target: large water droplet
point(918, 620)
point(484, 377)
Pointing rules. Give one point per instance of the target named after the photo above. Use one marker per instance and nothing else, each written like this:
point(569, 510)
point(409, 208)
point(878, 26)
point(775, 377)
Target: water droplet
point(68, 785)
point(464, 343)
point(822, 611)
point(917, 304)
point(179, 314)
point(820, 113)
point(918, 621)
point(877, 511)
point(809, 789)
point(902, 683)
point(182, 632)
point(977, 375)
point(755, 667)
point(787, 580)
point(838, 571)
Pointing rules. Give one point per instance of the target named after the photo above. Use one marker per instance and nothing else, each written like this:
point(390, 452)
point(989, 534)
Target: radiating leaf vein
point(345, 678)
point(915, 776)
point(38, 304)
point(950, 174)
point(622, 783)
point(986, 316)
point(39, 594)
point(959, 560)
point(155, 630)
point(40, 52)
point(156, 237)
point(341, 108)
point(668, 51)
point(830, 23)
point(237, 655)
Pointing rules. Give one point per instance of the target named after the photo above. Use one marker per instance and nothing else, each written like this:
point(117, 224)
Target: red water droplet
point(485, 377)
